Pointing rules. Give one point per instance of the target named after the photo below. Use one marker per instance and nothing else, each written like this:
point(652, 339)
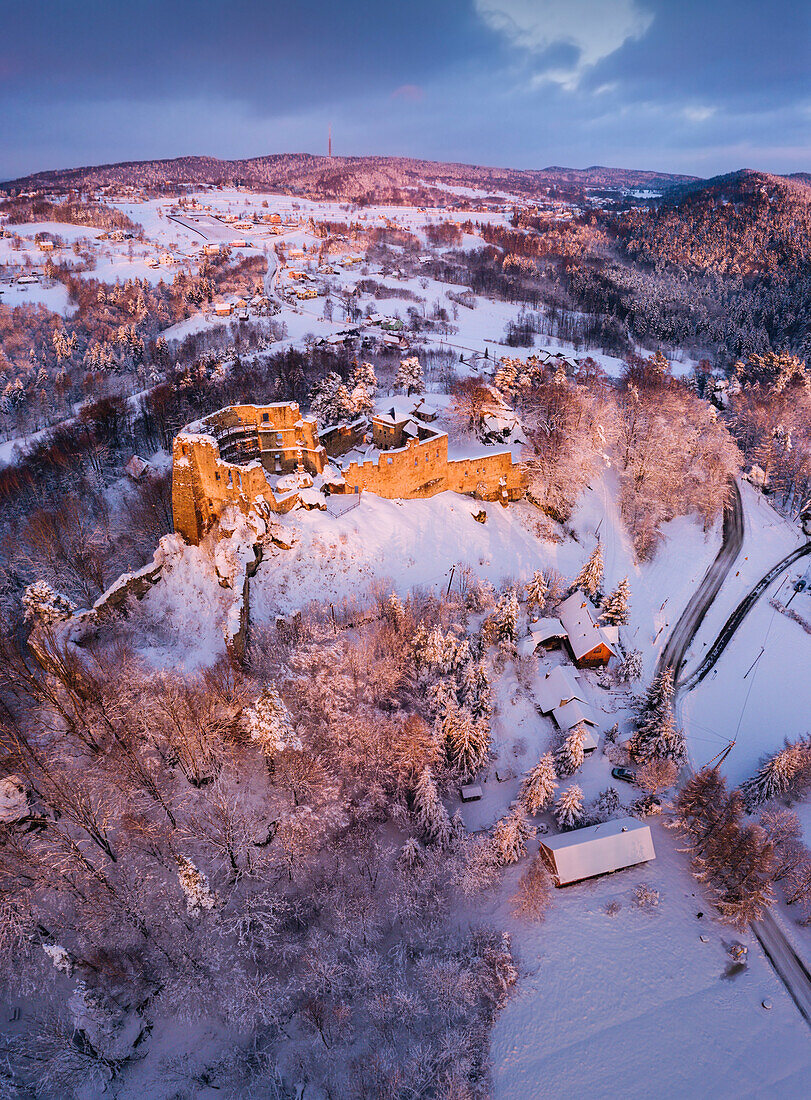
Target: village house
point(590, 644)
point(597, 850)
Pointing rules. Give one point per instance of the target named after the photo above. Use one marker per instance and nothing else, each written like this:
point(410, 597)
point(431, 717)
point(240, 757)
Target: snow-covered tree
point(569, 808)
point(411, 856)
point(466, 741)
point(429, 811)
point(59, 957)
point(409, 376)
point(511, 834)
point(476, 692)
point(571, 754)
point(774, 776)
point(505, 618)
point(615, 606)
point(270, 724)
point(536, 590)
point(44, 606)
point(606, 804)
point(194, 884)
point(364, 375)
point(590, 577)
point(330, 400)
point(631, 667)
point(657, 735)
point(393, 611)
point(539, 785)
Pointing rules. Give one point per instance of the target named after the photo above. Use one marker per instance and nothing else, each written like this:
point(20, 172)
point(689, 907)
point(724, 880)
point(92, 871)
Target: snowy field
point(637, 1006)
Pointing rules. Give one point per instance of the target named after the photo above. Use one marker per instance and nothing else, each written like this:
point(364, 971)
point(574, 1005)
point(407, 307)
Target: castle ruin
point(267, 457)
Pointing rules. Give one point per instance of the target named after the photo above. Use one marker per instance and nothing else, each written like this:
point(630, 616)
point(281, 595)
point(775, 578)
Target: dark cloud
point(696, 86)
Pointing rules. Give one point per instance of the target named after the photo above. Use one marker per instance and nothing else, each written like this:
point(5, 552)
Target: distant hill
point(363, 179)
point(740, 224)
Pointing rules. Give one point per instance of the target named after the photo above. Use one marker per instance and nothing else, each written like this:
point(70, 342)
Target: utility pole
point(329, 142)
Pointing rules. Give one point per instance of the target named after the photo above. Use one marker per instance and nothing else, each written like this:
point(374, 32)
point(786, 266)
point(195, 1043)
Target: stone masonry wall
point(422, 468)
point(224, 460)
point(205, 477)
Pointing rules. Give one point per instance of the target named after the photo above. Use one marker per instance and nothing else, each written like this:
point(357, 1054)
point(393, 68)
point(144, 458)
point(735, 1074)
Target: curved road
point(739, 614)
point(685, 629)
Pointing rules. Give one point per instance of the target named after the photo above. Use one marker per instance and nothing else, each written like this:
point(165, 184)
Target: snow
point(596, 849)
point(773, 701)
point(52, 295)
point(635, 1005)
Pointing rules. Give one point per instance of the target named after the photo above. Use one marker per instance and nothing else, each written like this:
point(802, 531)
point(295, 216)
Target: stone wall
point(422, 469)
point(224, 460)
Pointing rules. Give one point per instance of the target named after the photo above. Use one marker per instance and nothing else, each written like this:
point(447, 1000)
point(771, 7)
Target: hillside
point(355, 178)
point(741, 224)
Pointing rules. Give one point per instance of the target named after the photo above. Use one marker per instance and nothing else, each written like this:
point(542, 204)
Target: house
point(558, 687)
point(136, 467)
point(545, 633)
point(597, 850)
point(575, 713)
point(239, 243)
point(591, 645)
point(223, 309)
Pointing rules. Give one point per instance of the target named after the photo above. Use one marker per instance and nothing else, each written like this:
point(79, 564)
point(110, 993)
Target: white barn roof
point(583, 632)
point(598, 849)
point(556, 689)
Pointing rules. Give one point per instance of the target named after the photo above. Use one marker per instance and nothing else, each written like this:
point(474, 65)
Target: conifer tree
point(505, 617)
point(571, 754)
point(631, 667)
point(411, 856)
point(476, 692)
point(569, 808)
point(466, 741)
point(270, 724)
point(536, 590)
point(590, 577)
point(429, 811)
point(657, 736)
point(409, 376)
point(615, 606)
point(511, 835)
point(539, 785)
point(194, 885)
point(773, 777)
point(43, 605)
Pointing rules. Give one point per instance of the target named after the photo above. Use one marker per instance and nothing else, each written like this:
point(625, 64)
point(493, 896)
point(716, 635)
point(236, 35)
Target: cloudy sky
point(697, 86)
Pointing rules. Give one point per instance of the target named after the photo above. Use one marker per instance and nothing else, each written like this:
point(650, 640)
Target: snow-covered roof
point(598, 849)
point(571, 714)
point(556, 689)
point(393, 416)
point(541, 631)
point(583, 632)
